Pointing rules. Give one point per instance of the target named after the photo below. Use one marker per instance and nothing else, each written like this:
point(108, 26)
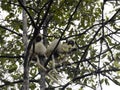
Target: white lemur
point(38, 52)
point(63, 48)
point(61, 51)
point(38, 47)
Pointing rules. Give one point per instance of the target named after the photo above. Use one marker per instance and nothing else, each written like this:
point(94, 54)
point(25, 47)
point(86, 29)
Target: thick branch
point(31, 19)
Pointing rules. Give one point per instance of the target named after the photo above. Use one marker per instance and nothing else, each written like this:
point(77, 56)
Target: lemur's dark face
point(71, 42)
point(38, 38)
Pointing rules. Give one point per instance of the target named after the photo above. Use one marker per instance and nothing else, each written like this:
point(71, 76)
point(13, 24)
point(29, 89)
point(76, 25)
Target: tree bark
point(42, 73)
point(25, 39)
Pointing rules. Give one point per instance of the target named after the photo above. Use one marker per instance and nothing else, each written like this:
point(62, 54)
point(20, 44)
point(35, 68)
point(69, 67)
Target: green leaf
point(106, 82)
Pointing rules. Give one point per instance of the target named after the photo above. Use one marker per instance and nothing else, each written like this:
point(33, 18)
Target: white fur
point(52, 46)
point(62, 48)
point(40, 49)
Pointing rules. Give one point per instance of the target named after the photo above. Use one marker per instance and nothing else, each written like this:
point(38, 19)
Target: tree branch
point(15, 82)
point(31, 19)
point(89, 74)
point(69, 20)
point(3, 27)
point(8, 56)
point(112, 18)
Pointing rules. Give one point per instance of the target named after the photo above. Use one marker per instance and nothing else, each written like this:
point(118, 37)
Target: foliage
point(97, 36)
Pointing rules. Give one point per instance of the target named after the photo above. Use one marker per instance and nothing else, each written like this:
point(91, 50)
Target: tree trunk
point(43, 73)
point(26, 64)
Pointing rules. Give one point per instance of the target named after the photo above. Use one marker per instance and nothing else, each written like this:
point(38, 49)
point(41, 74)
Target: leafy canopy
point(95, 32)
